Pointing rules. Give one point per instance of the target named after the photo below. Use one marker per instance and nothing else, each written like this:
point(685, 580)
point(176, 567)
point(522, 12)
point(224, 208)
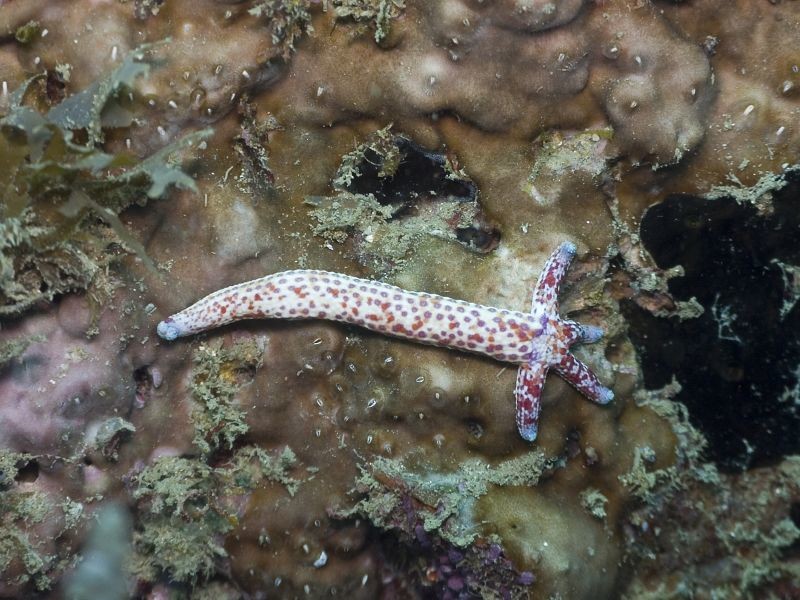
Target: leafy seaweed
point(61, 192)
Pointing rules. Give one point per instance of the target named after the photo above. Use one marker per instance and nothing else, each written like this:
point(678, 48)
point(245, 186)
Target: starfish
point(537, 340)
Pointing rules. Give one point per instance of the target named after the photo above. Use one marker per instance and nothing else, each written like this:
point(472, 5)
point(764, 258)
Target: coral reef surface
point(158, 150)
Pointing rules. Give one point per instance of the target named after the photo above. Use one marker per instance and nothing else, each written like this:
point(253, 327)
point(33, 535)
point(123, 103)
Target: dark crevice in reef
point(739, 362)
point(422, 178)
point(419, 173)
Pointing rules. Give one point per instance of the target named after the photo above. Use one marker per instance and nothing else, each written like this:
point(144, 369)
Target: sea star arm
point(545, 294)
point(582, 379)
point(528, 393)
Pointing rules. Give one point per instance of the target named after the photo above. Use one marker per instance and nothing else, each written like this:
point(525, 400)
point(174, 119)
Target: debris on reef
point(252, 144)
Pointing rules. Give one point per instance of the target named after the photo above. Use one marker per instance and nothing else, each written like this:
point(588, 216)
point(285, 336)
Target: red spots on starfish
point(540, 339)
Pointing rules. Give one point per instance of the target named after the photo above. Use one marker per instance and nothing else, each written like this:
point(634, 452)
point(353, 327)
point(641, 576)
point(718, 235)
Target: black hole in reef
point(141, 378)
point(418, 174)
point(424, 177)
point(475, 428)
point(28, 472)
point(739, 362)
point(794, 513)
point(141, 375)
point(482, 240)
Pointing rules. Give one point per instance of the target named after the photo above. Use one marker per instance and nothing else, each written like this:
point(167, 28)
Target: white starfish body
point(536, 341)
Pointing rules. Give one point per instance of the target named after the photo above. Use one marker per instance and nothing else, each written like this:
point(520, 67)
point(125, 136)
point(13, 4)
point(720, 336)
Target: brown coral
point(406, 471)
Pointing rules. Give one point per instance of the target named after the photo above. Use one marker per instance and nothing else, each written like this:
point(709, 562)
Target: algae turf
point(378, 14)
point(288, 20)
point(216, 377)
point(390, 195)
point(11, 350)
point(445, 503)
point(187, 507)
point(25, 513)
point(433, 518)
point(61, 193)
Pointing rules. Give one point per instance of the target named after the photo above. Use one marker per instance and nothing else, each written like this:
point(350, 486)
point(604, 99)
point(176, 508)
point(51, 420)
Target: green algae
point(217, 420)
point(445, 502)
point(377, 14)
point(732, 531)
point(252, 464)
point(22, 546)
point(61, 193)
point(383, 144)
point(288, 21)
point(187, 508)
point(183, 523)
point(25, 34)
point(11, 350)
point(171, 483)
point(594, 501)
point(759, 194)
point(643, 479)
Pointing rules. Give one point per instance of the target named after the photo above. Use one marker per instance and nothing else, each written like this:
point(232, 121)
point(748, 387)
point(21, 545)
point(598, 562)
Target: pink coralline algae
point(536, 341)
